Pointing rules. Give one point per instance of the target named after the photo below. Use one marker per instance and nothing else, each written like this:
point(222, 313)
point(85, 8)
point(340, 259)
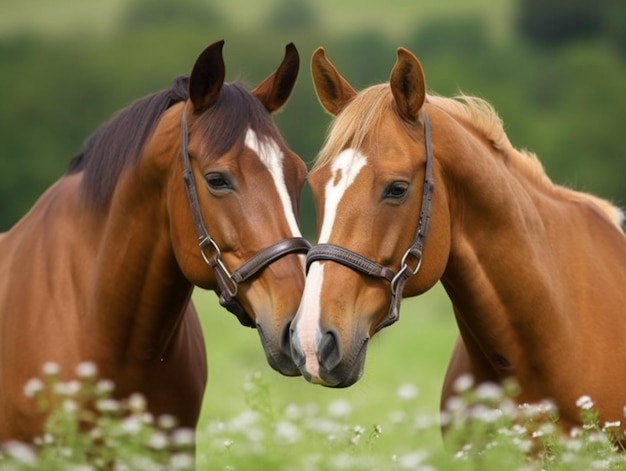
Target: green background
point(67, 66)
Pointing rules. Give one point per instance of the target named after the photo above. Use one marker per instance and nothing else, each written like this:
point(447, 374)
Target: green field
point(413, 351)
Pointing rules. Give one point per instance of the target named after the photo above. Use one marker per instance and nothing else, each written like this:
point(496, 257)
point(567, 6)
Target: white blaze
point(344, 170)
point(272, 157)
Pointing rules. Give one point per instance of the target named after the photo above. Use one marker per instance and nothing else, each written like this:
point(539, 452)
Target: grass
point(486, 431)
point(254, 419)
point(415, 350)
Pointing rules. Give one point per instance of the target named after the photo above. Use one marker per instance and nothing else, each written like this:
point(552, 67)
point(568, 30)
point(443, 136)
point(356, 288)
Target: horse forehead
point(344, 170)
point(272, 157)
point(267, 149)
point(341, 172)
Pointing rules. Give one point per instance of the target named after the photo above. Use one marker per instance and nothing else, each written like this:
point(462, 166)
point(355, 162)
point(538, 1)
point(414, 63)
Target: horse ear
point(275, 90)
point(207, 77)
point(408, 85)
point(333, 91)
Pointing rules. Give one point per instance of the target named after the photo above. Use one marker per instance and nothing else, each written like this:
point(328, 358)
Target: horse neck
point(503, 273)
point(141, 292)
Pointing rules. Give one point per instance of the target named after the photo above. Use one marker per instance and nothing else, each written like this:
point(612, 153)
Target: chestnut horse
point(190, 186)
point(412, 189)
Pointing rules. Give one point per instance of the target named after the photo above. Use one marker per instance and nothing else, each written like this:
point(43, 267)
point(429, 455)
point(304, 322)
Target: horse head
point(370, 183)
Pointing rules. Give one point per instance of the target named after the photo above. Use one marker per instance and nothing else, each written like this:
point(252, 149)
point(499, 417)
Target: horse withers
point(191, 186)
point(412, 189)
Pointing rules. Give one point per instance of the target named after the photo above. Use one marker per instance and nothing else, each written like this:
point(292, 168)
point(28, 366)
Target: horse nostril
point(284, 341)
point(329, 351)
point(297, 355)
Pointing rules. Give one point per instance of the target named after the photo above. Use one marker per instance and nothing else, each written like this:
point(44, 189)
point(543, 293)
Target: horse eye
point(218, 181)
point(396, 190)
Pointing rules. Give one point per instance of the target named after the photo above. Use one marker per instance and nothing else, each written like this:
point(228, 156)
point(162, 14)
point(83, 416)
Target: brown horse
point(411, 189)
point(190, 186)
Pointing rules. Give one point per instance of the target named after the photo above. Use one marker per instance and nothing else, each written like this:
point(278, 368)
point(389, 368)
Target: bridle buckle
point(226, 280)
point(405, 269)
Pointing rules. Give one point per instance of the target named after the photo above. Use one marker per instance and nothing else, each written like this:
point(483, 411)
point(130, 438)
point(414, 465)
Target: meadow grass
point(254, 419)
point(88, 430)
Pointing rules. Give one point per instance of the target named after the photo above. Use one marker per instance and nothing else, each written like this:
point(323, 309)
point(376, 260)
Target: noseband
point(412, 258)
point(228, 282)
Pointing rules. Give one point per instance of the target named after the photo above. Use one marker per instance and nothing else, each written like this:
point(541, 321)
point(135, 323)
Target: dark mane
point(236, 110)
point(119, 142)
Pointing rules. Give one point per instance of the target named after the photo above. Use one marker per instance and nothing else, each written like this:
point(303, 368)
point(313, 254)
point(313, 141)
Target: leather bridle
point(411, 260)
point(228, 282)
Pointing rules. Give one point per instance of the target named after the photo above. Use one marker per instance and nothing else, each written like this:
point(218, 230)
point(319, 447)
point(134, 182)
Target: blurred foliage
point(167, 13)
point(558, 21)
point(566, 104)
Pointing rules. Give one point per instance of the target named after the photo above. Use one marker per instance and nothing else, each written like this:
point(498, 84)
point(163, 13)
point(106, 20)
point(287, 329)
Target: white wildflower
point(287, 432)
point(70, 406)
point(147, 418)
point(484, 414)
point(86, 370)
point(407, 391)
point(183, 437)
point(455, 404)
point(158, 441)
point(32, 387)
point(601, 464)
point(489, 392)
point(50, 368)
point(137, 402)
point(612, 425)
point(574, 444)
point(20, 452)
point(463, 383)
point(108, 405)
point(293, 411)
point(584, 403)
point(131, 425)
point(181, 461)
point(411, 460)
point(576, 432)
point(81, 467)
point(167, 421)
point(69, 388)
point(105, 386)
point(339, 408)
point(243, 421)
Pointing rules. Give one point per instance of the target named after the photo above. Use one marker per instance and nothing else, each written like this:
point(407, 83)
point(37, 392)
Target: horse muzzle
point(278, 349)
point(330, 364)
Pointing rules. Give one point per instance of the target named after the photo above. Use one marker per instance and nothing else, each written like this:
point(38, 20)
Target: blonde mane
point(364, 113)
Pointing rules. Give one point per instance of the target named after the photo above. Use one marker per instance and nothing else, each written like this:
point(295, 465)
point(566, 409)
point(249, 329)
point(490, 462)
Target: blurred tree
point(616, 24)
point(567, 105)
point(292, 15)
point(553, 22)
point(144, 14)
point(466, 36)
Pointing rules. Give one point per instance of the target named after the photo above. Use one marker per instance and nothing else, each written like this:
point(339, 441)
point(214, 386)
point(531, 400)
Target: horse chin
point(279, 359)
point(345, 374)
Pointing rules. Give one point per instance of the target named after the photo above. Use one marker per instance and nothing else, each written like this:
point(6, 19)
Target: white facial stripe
point(345, 169)
point(272, 157)
point(308, 321)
